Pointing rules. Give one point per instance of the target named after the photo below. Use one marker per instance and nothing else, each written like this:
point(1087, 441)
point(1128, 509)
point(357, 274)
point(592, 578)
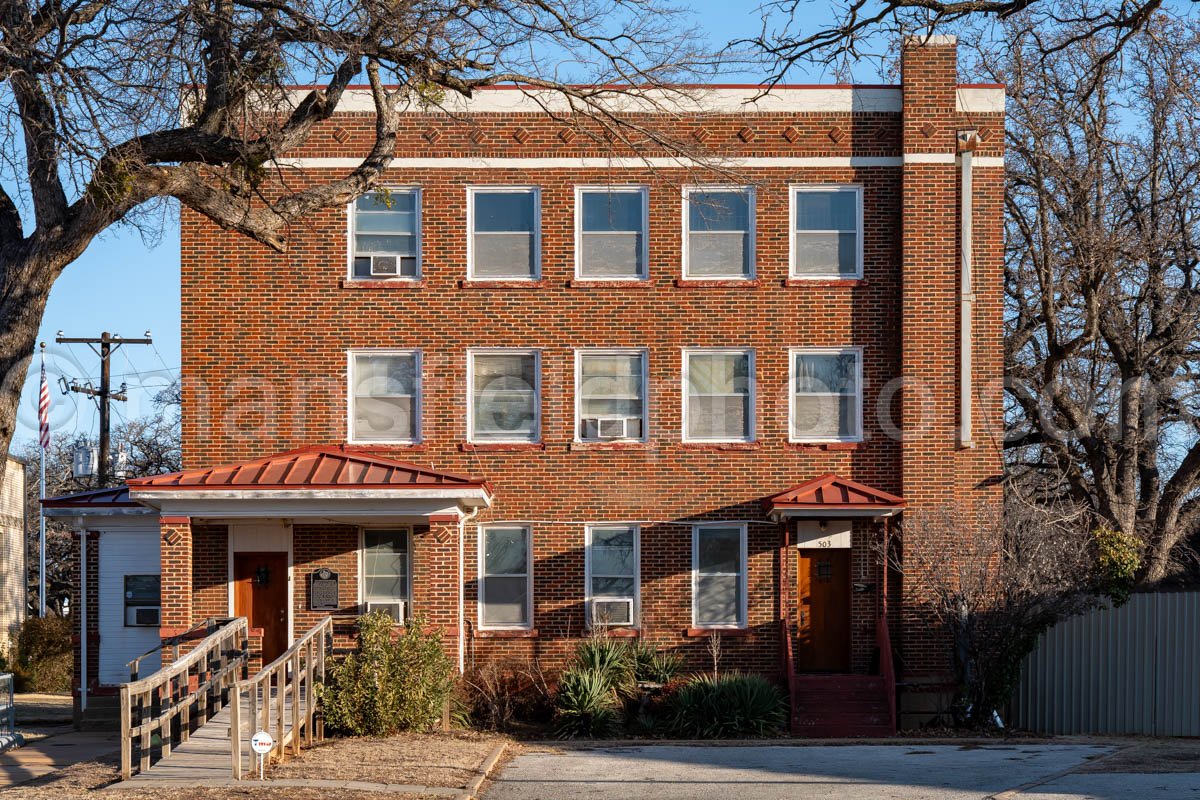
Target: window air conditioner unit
point(385, 266)
point(142, 616)
point(393, 608)
point(610, 427)
point(613, 611)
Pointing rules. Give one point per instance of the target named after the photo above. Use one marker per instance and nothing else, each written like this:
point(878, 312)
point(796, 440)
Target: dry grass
point(448, 760)
point(1151, 755)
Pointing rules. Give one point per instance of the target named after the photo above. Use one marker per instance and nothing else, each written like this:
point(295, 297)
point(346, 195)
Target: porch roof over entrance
point(311, 479)
point(833, 496)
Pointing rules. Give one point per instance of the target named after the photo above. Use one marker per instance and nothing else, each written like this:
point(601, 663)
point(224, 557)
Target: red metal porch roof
point(326, 467)
point(834, 493)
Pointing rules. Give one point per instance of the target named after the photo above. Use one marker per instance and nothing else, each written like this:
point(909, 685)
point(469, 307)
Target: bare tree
point(108, 106)
point(1024, 567)
point(1103, 287)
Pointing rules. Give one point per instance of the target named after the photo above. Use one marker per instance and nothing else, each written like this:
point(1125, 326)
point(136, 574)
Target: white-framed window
point(385, 396)
point(827, 231)
point(505, 577)
point(611, 233)
point(504, 232)
point(611, 395)
point(719, 575)
point(505, 396)
point(826, 394)
point(718, 232)
point(612, 569)
point(718, 395)
point(384, 239)
point(386, 570)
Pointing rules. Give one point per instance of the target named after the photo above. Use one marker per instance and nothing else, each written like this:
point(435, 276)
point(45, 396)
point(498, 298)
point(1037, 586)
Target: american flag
point(44, 410)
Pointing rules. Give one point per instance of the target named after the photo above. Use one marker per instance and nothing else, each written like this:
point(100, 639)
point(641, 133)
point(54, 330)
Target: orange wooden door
point(823, 613)
point(260, 594)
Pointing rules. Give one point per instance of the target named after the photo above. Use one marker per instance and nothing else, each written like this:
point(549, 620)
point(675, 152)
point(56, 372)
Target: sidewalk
point(53, 752)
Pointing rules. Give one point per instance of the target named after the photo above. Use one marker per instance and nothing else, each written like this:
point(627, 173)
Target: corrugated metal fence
point(1128, 670)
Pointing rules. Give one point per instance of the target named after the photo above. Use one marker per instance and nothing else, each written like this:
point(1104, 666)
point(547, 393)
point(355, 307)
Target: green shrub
point(392, 683)
point(727, 706)
point(654, 665)
point(611, 659)
point(1118, 557)
point(42, 660)
point(586, 704)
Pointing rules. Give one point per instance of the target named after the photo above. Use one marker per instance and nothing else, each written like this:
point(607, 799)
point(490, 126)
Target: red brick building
point(537, 386)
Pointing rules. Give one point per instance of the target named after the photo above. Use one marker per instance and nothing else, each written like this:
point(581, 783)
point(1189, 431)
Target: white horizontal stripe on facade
point(779, 162)
point(698, 100)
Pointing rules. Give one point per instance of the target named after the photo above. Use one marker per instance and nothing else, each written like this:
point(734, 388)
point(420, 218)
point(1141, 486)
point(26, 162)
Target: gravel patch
point(1150, 755)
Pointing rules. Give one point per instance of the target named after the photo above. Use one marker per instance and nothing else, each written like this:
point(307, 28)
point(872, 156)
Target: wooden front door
point(823, 613)
point(260, 594)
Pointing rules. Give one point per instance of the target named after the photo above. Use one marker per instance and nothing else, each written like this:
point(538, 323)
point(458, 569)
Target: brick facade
point(266, 335)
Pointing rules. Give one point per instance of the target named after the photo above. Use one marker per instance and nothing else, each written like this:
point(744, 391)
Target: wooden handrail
point(210, 625)
point(167, 696)
point(293, 676)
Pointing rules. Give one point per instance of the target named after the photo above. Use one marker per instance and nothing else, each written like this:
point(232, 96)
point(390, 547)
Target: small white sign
point(261, 742)
point(833, 535)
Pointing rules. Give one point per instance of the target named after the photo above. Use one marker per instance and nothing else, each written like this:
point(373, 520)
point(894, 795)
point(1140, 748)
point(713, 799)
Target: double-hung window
point(504, 228)
point(612, 574)
point(719, 575)
point(826, 395)
point(385, 239)
point(505, 577)
point(611, 239)
point(385, 396)
point(718, 232)
point(827, 232)
point(505, 396)
point(718, 395)
point(385, 571)
point(610, 390)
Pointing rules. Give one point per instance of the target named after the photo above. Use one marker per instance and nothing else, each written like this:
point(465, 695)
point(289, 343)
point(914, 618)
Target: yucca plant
point(586, 704)
point(611, 659)
point(727, 706)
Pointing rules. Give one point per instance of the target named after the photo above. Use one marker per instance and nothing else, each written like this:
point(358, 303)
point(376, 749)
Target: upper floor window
point(718, 232)
point(505, 577)
point(505, 391)
point(827, 233)
point(718, 395)
point(385, 571)
point(385, 396)
point(505, 236)
point(611, 395)
point(612, 574)
point(719, 575)
point(826, 395)
point(385, 239)
point(611, 239)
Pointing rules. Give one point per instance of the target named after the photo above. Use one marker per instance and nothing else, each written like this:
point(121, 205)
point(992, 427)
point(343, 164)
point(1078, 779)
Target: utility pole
point(109, 343)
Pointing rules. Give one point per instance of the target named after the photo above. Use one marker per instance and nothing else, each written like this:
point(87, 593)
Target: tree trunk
point(25, 282)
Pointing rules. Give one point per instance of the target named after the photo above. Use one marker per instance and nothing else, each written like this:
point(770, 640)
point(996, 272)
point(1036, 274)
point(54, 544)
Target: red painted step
point(841, 706)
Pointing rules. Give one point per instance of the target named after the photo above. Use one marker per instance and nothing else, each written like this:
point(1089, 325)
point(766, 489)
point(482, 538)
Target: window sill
point(372, 447)
point(618, 633)
point(717, 283)
point(530, 633)
point(499, 447)
point(612, 283)
point(501, 284)
point(830, 446)
point(611, 446)
point(721, 445)
point(824, 283)
point(699, 633)
point(397, 283)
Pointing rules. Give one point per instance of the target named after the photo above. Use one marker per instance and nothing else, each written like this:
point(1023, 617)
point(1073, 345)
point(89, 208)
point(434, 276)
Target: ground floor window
point(385, 571)
point(505, 577)
point(719, 575)
point(612, 574)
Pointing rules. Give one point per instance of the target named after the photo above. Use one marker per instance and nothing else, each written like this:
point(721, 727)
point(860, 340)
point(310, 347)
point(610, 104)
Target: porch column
point(175, 556)
point(435, 581)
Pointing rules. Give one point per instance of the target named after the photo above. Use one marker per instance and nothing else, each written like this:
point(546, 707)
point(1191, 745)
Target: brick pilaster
point(435, 581)
point(175, 556)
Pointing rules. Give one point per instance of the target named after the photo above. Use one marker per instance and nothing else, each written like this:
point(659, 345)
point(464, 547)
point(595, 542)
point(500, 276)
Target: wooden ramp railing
point(163, 709)
point(282, 699)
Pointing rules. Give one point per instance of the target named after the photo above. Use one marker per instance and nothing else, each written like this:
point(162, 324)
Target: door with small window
point(823, 610)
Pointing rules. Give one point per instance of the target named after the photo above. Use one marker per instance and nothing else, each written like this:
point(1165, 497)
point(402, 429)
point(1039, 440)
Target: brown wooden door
point(260, 594)
point(823, 613)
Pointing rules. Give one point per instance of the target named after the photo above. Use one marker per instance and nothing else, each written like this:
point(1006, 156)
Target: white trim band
point(951, 158)
point(654, 162)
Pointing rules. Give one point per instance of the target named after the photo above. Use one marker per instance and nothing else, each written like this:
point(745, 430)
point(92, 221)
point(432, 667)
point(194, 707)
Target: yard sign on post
point(261, 743)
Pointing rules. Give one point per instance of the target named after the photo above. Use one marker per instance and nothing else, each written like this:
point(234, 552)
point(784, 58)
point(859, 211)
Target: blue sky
point(124, 286)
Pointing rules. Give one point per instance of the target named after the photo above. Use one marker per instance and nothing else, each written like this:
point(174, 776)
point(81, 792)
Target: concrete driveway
point(850, 772)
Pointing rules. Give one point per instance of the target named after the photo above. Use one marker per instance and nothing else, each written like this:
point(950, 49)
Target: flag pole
point(41, 510)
